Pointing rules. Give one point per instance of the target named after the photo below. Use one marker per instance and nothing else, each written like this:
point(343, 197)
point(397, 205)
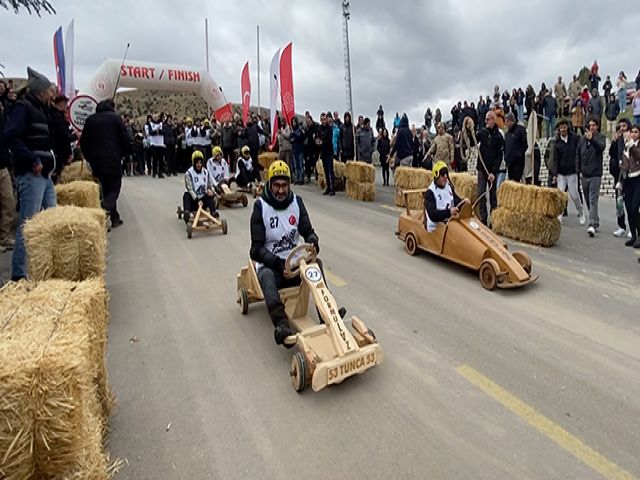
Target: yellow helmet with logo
point(245, 149)
point(439, 169)
point(217, 151)
point(279, 169)
point(197, 155)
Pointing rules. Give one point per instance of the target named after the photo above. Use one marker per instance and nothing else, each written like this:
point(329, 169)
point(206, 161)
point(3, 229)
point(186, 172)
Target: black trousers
point(515, 171)
point(493, 200)
point(327, 163)
point(111, 186)
point(191, 205)
point(229, 155)
point(310, 159)
point(157, 155)
point(170, 156)
point(632, 204)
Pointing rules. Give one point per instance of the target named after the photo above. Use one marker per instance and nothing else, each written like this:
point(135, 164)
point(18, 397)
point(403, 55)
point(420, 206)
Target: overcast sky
point(405, 54)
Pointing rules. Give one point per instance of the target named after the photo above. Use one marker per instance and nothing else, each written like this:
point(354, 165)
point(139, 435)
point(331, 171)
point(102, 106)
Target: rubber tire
point(224, 226)
point(244, 200)
point(298, 372)
point(488, 275)
point(524, 260)
point(179, 212)
point(243, 300)
point(410, 244)
point(189, 230)
point(370, 332)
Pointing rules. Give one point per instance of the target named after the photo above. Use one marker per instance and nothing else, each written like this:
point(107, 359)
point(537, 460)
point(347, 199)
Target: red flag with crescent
point(286, 84)
point(245, 85)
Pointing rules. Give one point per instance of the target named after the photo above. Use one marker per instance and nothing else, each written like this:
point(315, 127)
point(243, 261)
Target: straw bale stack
point(465, 185)
point(267, 158)
point(338, 173)
point(363, 191)
point(360, 172)
point(67, 242)
point(80, 193)
point(521, 198)
point(408, 178)
point(52, 379)
point(526, 227)
point(77, 171)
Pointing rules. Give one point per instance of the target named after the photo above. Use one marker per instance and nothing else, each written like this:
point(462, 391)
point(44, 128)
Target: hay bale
point(53, 338)
point(518, 197)
point(267, 158)
point(338, 173)
point(415, 200)
point(526, 227)
point(338, 169)
point(360, 172)
point(465, 185)
point(80, 193)
point(363, 191)
point(408, 178)
point(77, 171)
point(68, 243)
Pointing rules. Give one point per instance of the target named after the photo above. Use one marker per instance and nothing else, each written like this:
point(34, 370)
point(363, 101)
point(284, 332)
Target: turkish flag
point(245, 85)
point(224, 113)
point(286, 84)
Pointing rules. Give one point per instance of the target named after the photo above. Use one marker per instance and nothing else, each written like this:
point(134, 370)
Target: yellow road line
point(334, 279)
point(560, 436)
point(393, 209)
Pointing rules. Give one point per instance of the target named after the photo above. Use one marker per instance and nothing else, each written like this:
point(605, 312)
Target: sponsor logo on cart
point(474, 225)
point(335, 318)
point(351, 367)
point(313, 274)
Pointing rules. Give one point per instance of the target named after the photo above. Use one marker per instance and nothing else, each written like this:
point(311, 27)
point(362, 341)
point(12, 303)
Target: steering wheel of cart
point(304, 251)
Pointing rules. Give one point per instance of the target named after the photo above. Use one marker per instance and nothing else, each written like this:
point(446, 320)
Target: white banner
point(274, 72)
point(69, 41)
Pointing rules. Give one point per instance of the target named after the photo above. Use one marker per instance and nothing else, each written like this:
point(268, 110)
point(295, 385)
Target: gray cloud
point(406, 54)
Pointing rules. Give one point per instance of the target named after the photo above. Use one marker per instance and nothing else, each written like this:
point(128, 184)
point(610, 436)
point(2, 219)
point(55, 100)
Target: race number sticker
point(474, 225)
point(313, 274)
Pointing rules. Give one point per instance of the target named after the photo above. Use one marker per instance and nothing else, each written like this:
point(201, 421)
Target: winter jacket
point(62, 138)
point(5, 158)
point(612, 110)
point(403, 145)
point(284, 139)
point(104, 141)
point(326, 148)
point(515, 145)
point(252, 133)
point(297, 140)
point(28, 136)
point(169, 133)
point(631, 160)
point(384, 147)
point(616, 150)
point(228, 137)
point(346, 141)
point(595, 107)
point(491, 149)
point(564, 155)
point(589, 156)
point(431, 206)
point(550, 106)
point(442, 149)
point(366, 144)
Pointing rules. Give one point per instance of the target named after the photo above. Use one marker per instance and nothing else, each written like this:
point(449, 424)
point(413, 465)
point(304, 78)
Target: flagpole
point(206, 41)
point(258, 53)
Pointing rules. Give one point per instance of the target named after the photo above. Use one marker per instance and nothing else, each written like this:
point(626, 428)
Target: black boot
point(281, 322)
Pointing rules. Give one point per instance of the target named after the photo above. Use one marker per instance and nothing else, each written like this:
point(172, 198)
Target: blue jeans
point(636, 119)
point(35, 193)
point(298, 167)
point(520, 109)
point(551, 125)
point(622, 99)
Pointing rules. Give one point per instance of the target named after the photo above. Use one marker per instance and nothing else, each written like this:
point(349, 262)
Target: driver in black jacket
point(278, 220)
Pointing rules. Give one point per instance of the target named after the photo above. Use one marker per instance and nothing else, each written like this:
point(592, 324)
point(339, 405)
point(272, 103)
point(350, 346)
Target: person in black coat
point(346, 140)
point(325, 143)
point(61, 135)
point(515, 146)
point(104, 142)
point(384, 147)
point(492, 153)
point(310, 147)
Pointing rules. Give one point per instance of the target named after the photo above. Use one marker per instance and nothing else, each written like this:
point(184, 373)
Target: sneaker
point(636, 244)
point(620, 232)
point(591, 231)
point(629, 234)
point(630, 242)
point(582, 219)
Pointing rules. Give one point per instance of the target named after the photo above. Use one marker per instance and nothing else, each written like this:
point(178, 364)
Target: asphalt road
point(536, 383)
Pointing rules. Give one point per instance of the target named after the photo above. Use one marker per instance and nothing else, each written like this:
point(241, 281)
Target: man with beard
point(105, 142)
point(278, 220)
point(589, 165)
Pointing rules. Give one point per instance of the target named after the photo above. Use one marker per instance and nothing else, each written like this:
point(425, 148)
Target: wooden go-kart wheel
point(488, 274)
point(524, 260)
point(189, 230)
point(243, 300)
point(410, 244)
point(224, 226)
point(298, 372)
point(292, 264)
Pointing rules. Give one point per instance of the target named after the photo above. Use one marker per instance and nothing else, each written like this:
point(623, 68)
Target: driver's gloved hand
point(313, 239)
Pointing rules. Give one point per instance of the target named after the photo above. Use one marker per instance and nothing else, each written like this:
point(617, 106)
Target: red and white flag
point(224, 113)
point(245, 86)
point(286, 84)
point(274, 71)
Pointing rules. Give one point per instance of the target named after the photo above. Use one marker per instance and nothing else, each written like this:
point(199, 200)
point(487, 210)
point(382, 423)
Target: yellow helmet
point(217, 151)
point(245, 149)
point(189, 120)
point(197, 155)
point(279, 169)
point(438, 169)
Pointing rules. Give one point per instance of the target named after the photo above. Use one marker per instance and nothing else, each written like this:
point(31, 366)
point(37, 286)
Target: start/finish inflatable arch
point(146, 76)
